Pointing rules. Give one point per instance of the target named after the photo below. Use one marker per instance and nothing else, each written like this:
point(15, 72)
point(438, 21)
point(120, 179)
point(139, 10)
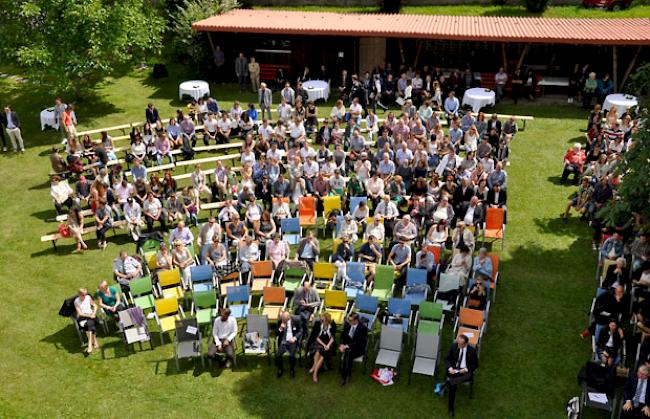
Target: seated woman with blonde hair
point(321, 343)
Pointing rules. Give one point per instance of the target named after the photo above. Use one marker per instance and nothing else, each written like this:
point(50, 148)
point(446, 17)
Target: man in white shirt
point(461, 362)
point(297, 130)
point(404, 155)
point(284, 111)
point(388, 211)
point(289, 334)
point(265, 130)
point(61, 193)
point(355, 111)
point(375, 188)
point(133, 217)
point(376, 229)
point(224, 331)
point(181, 233)
point(309, 172)
point(274, 153)
point(224, 126)
point(126, 268)
point(153, 211)
point(500, 80)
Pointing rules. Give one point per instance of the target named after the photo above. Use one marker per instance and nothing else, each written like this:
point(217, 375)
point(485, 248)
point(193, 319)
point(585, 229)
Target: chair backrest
point(470, 317)
point(294, 272)
point(262, 268)
point(151, 245)
point(238, 294)
point(384, 277)
point(335, 299)
point(324, 270)
point(205, 299)
point(290, 225)
point(170, 277)
point(125, 318)
point(340, 219)
point(274, 295)
point(356, 271)
point(600, 291)
point(430, 311)
point(307, 205)
point(415, 276)
point(151, 258)
point(366, 303)
point(187, 330)
point(494, 218)
point(166, 306)
point(391, 338)
point(495, 265)
point(399, 307)
point(330, 203)
point(355, 201)
point(141, 286)
point(426, 345)
point(201, 273)
point(258, 323)
point(435, 250)
point(448, 282)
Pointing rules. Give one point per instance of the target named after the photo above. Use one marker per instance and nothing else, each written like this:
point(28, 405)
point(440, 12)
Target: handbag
point(64, 230)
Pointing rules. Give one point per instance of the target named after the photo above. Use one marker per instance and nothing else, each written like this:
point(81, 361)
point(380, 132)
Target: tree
point(188, 42)
point(535, 6)
point(74, 44)
point(633, 193)
point(640, 80)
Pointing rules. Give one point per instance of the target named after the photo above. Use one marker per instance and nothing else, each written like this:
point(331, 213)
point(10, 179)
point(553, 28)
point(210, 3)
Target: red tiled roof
point(469, 28)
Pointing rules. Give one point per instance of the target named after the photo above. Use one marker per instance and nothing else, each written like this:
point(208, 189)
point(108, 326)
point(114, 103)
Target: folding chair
point(389, 349)
point(323, 275)
point(336, 304)
point(426, 353)
point(291, 230)
point(273, 302)
point(494, 279)
point(470, 323)
point(429, 318)
point(335, 245)
point(231, 280)
point(150, 257)
point(187, 341)
point(355, 284)
point(330, 203)
point(596, 375)
point(131, 332)
point(257, 337)
point(437, 252)
point(238, 301)
point(416, 289)
point(383, 285)
point(355, 201)
point(292, 278)
point(202, 278)
point(399, 314)
point(367, 307)
point(142, 293)
point(205, 306)
point(340, 219)
point(167, 312)
point(493, 227)
point(448, 292)
point(169, 284)
point(261, 275)
point(307, 211)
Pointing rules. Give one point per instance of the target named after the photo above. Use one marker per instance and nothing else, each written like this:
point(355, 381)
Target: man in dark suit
point(305, 302)
point(635, 394)
point(461, 361)
point(353, 345)
point(290, 333)
point(151, 113)
point(11, 122)
point(496, 197)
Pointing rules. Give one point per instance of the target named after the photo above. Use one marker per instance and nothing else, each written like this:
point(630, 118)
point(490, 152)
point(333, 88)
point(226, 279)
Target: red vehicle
point(612, 5)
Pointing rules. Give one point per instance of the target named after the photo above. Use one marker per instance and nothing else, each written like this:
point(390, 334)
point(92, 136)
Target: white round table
point(194, 88)
point(478, 98)
point(48, 119)
point(317, 89)
point(621, 101)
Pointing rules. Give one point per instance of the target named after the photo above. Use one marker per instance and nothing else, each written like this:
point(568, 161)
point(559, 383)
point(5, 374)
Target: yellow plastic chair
point(323, 276)
point(336, 304)
point(167, 311)
point(169, 284)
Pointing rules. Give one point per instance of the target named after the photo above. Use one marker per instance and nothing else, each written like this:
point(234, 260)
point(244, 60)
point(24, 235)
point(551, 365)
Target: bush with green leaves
point(536, 6)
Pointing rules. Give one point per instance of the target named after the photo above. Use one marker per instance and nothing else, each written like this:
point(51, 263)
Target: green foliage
point(74, 44)
point(189, 43)
point(535, 6)
point(640, 80)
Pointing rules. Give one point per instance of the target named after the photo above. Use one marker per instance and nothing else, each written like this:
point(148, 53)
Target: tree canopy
point(74, 44)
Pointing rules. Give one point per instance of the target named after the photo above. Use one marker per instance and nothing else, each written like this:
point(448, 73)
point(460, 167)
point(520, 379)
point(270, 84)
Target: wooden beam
point(523, 55)
point(629, 68)
point(504, 56)
point(212, 47)
point(615, 65)
point(400, 44)
point(417, 53)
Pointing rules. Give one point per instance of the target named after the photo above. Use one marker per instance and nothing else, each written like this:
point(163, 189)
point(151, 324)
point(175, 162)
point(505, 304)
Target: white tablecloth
point(48, 119)
point(621, 101)
point(317, 89)
point(194, 88)
point(478, 98)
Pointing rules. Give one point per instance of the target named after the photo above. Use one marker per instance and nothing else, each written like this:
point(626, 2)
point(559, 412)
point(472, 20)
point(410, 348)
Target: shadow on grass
point(65, 339)
point(67, 246)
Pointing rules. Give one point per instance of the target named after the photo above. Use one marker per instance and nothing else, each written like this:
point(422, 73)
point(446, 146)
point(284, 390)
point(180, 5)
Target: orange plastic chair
point(273, 302)
point(470, 323)
point(495, 274)
point(435, 250)
point(261, 275)
point(494, 227)
point(307, 211)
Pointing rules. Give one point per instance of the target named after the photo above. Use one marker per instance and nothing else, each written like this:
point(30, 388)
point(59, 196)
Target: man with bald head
point(636, 395)
point(290, 333)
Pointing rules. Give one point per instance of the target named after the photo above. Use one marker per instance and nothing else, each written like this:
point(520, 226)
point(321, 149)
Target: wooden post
point(212, 47)
point(523, 55)
point(417, 53)
point(504, 56)
point(629, 68)
point(614, 66)
point(400, 44)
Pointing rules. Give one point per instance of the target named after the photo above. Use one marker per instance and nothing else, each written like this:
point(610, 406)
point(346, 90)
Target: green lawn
point(565, 11)
point(530, 354)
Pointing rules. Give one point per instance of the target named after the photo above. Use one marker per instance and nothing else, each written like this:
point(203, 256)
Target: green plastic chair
point(292, 279)
point(205, 306)
point(141, 292)
point(429, 318)
point(384, 282)
point(150, 246)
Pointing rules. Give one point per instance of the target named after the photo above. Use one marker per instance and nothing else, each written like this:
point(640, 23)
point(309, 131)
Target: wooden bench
point(154, 169)
point(64, 217)
point(211, 206)
point(54, 237)
point(186, 163)
point(123, 128)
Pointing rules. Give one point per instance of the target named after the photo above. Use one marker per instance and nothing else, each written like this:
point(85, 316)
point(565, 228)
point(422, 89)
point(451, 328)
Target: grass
point(529, 360)
point(636, 10)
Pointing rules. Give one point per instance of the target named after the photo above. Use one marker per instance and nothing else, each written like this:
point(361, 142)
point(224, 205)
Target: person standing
point(500, 80)
point(219, 60)
point(254, 72)
point(266, 100)
point(517, 85)
point(241, 70)
point(11, 122)
point(69, 120)
point(59, 108)
point(461, 361)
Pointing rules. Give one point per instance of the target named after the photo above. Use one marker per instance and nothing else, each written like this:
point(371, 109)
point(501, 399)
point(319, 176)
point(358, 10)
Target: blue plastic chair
point(367, 307)
point(356, 272)
point(202, 278)
point(239, 301)
point(600, 291)
point(291, 230)
point(355, 201)
point(415, 290)
point(399, 313)
point(340, 219)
